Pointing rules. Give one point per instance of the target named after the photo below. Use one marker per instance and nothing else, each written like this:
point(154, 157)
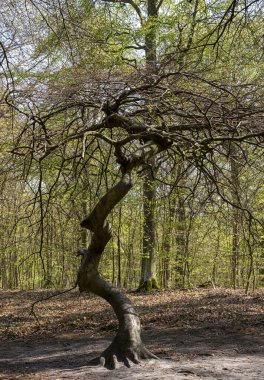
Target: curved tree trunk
point(127, 344)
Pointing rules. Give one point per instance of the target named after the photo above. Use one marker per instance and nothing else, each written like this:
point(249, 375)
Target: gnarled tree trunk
point(127, 344)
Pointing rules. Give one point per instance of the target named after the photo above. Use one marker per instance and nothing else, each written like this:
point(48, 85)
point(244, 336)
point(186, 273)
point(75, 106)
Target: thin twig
point(32, 312)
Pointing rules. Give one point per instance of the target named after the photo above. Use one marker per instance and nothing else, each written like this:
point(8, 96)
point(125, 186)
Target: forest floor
point(203, 333)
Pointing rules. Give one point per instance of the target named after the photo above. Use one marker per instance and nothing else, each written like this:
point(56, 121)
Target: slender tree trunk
point(181, 266)
point(3, 271)
point(84, 235)
point(216, 255)
point(148, 278)
point(113, 264)
point(167, 241)
point(251, 265)
point(119, 247)
point(236, 213)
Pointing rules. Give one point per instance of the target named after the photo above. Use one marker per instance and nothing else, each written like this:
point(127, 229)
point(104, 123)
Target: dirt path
point(230, 347)
point(183, 355)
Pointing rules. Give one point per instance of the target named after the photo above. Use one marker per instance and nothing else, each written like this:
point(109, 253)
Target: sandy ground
point(233, 350)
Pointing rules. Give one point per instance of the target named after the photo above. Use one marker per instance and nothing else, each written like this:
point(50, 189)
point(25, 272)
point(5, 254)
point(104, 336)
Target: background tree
point(91, 116)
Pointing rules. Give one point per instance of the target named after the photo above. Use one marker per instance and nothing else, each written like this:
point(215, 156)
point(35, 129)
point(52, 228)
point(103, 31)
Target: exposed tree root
point(114, 356)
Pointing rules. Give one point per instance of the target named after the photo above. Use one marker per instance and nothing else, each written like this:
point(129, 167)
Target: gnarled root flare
point(114, 356)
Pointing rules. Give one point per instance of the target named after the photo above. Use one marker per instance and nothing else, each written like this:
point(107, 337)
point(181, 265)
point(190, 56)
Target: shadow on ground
point(208, 335)
point(184, 353)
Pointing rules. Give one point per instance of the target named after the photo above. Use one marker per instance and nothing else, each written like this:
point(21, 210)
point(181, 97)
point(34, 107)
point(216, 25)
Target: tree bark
point(148, 279)
point(127, 345)
point(181, 257)
point(235, 167)
point(167, 241)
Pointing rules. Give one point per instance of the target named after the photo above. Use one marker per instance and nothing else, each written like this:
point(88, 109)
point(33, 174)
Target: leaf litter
point(202, 333)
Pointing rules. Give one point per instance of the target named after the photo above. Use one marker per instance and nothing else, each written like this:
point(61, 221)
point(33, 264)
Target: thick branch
point(95, 221)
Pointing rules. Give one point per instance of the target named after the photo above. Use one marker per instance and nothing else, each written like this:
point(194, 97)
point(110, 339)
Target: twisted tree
point(127, 344)
point(189, 107)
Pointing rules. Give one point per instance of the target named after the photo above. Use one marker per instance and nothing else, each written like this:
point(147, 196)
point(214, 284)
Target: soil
point(204, 333)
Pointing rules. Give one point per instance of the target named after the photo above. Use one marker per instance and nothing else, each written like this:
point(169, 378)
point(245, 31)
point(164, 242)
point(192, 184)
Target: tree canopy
point(99, 93)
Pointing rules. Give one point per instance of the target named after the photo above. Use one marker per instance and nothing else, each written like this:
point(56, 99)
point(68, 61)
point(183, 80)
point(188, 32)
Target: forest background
point(64, 64)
